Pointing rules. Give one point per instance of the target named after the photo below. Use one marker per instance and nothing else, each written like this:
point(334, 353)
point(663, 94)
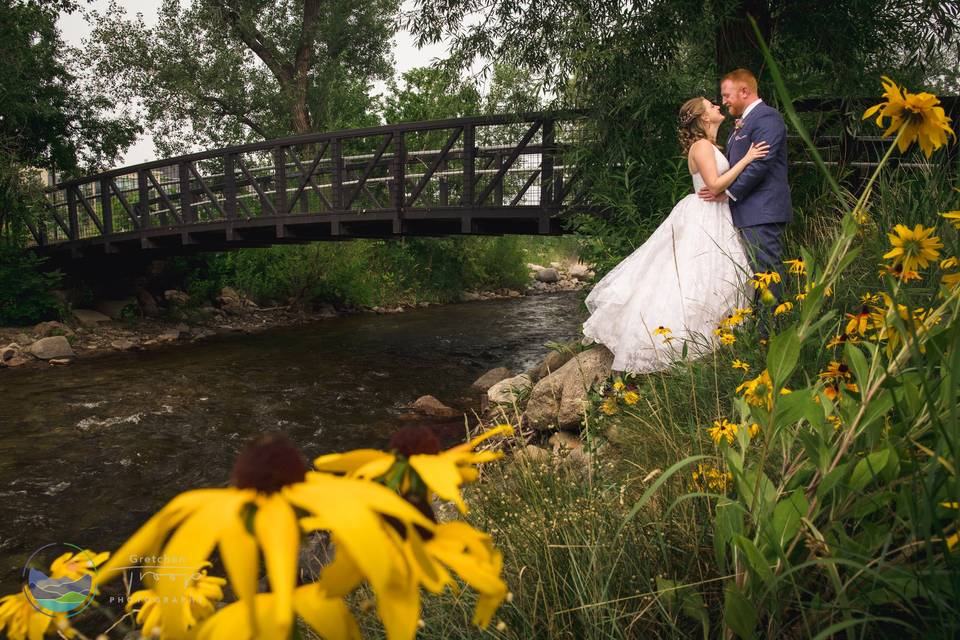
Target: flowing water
point(88, 452)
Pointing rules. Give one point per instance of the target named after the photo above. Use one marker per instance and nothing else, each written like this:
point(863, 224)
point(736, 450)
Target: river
point(88, 452)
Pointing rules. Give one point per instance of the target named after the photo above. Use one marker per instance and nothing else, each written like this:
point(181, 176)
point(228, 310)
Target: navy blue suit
point(761, 205)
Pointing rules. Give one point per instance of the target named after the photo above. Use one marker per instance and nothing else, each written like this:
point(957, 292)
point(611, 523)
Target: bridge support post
point(74, 221)
point(106, 206)
point(143, 199)
point(280, 179)
point(547, 155)
point(186, 198)
point(229, 186)
point(336, 174)
point(399, 180)
point(469, 164)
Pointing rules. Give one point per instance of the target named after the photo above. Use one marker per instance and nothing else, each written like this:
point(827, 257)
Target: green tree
point(219, 72)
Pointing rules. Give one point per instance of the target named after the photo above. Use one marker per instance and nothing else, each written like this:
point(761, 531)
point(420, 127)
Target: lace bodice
point(722, 166)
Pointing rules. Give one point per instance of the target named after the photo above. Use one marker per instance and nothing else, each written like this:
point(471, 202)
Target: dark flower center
point(415, 439)
point(267, 464)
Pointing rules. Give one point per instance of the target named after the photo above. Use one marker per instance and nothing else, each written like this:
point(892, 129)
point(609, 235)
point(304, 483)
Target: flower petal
point(278, 533)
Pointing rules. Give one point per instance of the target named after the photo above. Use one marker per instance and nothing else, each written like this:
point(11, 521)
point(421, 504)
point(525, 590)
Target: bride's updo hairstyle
point(690, 126)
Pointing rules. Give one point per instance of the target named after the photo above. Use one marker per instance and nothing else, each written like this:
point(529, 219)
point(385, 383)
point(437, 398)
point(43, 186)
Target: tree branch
point(258, 43)
point(227, 110)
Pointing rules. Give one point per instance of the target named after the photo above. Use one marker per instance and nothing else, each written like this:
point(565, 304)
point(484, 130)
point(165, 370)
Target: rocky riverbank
point(146, 320)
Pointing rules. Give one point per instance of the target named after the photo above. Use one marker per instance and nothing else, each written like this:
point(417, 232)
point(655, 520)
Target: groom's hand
point(707, 196)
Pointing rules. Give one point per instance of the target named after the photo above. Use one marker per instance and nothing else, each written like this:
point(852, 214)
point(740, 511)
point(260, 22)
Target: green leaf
point(858, 364)
point(656, 485)
point(738, 614)
point(755, 560)
point(783, 355)
point(786, 517)
point(794, 407)
point(747, 484)
point(867, 468)
point(728, 522)
point(691, 604)
point(832, 479)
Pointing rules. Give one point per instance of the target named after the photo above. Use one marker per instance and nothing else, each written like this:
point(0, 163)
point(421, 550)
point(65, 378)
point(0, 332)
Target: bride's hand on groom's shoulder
point(707, 196)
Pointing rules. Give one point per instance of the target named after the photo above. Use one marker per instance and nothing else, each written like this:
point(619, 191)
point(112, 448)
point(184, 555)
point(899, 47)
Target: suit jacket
point(761, 192)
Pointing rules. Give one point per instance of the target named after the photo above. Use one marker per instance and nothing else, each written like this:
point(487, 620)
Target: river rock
point(233, 303)
point(115, 308)
point(548, 275)
point(15, 361)
point(22, 339)
point(123, 344)
point(89, 317)
point(513, 293)
point(59, 361)
point(52, 347)
point(176, 297)
point(556, 359)
point(10, 351)
point(170, 335)
point(52, 328)
point(558, 400)
point(580, 272)
point(148, 304)
point(534, 267)
point(470, 296)
point(535, 453)
point(506, 391)
point(430, 406)
point(490, 378)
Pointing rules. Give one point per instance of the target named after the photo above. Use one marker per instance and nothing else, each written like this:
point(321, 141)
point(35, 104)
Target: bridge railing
point(487, 162)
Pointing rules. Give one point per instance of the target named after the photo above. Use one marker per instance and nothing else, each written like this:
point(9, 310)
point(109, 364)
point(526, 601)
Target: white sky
point(74, 29)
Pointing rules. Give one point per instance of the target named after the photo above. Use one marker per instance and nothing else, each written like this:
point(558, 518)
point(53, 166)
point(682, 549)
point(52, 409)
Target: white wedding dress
point(688, 276)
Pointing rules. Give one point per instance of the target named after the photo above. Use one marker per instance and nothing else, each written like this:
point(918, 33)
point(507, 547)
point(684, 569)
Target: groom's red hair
point(742, 76)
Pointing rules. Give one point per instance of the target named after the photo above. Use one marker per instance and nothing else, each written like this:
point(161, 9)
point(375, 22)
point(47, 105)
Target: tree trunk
point(736, 42)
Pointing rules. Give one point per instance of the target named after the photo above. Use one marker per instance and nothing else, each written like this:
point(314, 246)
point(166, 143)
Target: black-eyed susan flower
point(950, 280)
point(727, 338)
point(662, 331)
point(843, 338)
point(858, 323)
point(415, 456)
point(618, 385)
point(260, 514)
point(758, 391)
point(709, 478)
point(609, 406)
point(200, 595)
point(953, 217)
point(723, 429)
point(835, 420)
point(917, 117)
point(797, 266)
point(753, 430)
point(631, 398)
point(783, 307)
point(913, 249)
point(869, 298)
point(836, 370)
point(740, 364)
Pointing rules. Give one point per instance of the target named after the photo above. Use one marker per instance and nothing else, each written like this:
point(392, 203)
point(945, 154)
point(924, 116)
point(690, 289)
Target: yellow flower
point(197, 603)
point(950, 263)
point(711, 479)
point(797, 266)
point(329, 616)
point(618, 385)
point(415, 456)
point(20, 619)
point(836, 370)
point(260, 514)
point(609, 406)
point(767, 277)
point(631, 397)
point(869, 298)
point(800, 297)
point(759, 391)
point(917, 114)
point(753, 430)
point(913, 249)
point(783, 307)
point(897, 271)
point(840, 340)
point(740, 364)
point(721, 429)
point(727, 338)
point(662, 331)
point(953, 217)
point(835, 421)
point(951, 280)
point(859, 323)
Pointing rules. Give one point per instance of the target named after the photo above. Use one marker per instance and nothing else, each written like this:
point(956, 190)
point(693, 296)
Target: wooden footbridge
point(477, 175)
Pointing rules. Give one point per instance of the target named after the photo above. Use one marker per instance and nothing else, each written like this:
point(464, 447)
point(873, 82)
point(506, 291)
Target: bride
point(667, 297)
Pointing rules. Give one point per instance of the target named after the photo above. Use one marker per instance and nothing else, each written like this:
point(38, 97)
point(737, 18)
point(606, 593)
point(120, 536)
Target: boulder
point(548, 275)
point(52, 328)
point(89, 317)
point(175, 297)
point(512, 293)
point(506, 391)
point(558, 400)
point(10, 352)
point(555, 359)
point(22, 339)
point(490, 378)
point(115, 308)
point(15, 362)
point(534, 267)
point(535, 453)
point(123, 344)
point(580, 272)
point(148, 304)
point(170, 335)
point(430, 406)
point(470, 296)
point(52, 347)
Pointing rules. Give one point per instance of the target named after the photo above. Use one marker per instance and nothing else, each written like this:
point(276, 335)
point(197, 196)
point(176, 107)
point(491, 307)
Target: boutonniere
point(738, 124)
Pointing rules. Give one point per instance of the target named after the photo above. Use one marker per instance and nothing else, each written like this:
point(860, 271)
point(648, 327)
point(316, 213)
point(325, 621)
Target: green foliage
point(25, 288)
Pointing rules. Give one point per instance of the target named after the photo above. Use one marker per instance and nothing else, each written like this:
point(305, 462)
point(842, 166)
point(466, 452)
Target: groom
point(760, 196)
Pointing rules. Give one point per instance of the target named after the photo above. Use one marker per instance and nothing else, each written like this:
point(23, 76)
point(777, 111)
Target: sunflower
point(415, 456)
point(259, 514)
point(953, 217)
point(197, 602)
point(915, 116)
point(740, 364)
point(914, 249)
point(797, 266)
point(723, 429)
